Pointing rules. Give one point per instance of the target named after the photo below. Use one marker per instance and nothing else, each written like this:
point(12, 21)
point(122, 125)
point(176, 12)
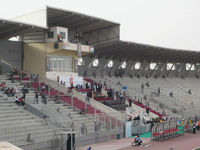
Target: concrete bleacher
point(182, 101)
point(16, 123)
point(134, 91)
point(63, 119)
point(67, 114)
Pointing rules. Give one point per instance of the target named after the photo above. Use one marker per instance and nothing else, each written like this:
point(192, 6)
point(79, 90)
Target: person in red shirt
point(21, 101)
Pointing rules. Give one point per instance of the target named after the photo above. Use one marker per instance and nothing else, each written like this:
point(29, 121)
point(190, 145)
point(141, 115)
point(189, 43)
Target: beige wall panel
point(34, 58)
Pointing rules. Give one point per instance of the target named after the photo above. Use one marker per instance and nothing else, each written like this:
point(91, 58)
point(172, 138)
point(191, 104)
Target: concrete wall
point(35, 56)
point(11, 52)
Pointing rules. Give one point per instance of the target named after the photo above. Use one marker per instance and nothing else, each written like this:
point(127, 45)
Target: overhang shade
point(141, 52)
point(75, 21)
point(11, 28)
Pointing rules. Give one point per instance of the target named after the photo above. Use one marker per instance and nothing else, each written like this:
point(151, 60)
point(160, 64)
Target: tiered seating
point(115, 104)
point(16, 123)
point(181, 98)
point(68, 111)
point(78, 119)
point(134, 91)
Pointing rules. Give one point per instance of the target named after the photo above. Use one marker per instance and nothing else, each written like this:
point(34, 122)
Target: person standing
point(194, 127)
point(142, 87)
point(36, 98)
point(159, 91)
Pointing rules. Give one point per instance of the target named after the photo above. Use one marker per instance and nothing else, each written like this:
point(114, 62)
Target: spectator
point(130, 103)
point(24, 96)
point(44, 99)
point(43, 88)
point(194, 127)
point(145, 97)
point(147, 110)
point(88, 97)
point(72, 126)
point(58, 37)
point(58, 109)
point(19, 101)
point(16, 100)
point(25, 89)
point(36, 98)
point(147, 84)
point(142, 88)
point(44, 121)
point(29, 139)
point(171, 94)
point(190, 91)
point(159, 91)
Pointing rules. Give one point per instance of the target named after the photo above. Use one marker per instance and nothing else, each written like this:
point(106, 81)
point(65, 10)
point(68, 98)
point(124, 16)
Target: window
point(59, 63)
point(169, 66)
point(62, 34)
point(95, 63)
point(153, 66)
point(137, 65)
point(189, 67)
point(80, 61)
point(50, 34)
point(110, 63)
point(124, 65)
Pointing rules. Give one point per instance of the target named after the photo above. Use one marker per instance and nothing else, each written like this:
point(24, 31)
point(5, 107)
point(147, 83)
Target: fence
point(165, 130)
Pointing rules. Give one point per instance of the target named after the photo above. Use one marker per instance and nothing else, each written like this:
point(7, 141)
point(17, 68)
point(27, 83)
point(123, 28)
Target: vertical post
point(72, 98)
point(49, 93)
point(104, 120)
point(20, 77)
point(29, 80)
point(95, 110)
point(85, 106)
point(71, 142)
point(39, 82)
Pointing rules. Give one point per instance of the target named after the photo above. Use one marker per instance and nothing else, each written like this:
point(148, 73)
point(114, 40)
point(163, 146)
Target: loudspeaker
point(71, 141)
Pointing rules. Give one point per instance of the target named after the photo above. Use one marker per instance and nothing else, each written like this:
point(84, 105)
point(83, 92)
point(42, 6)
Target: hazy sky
point(167, 23)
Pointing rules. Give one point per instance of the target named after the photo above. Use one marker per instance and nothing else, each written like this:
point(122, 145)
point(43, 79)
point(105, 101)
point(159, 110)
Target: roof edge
point(20, 22)
point(81, 14)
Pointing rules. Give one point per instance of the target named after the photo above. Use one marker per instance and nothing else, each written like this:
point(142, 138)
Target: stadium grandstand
point(69, 81)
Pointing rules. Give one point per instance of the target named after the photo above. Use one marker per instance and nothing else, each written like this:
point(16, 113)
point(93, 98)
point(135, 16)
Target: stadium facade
point(55, 43)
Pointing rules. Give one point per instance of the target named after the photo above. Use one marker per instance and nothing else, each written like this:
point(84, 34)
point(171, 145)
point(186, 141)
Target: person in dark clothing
point(147, 110)
point(36, 98)
point(171, 94)
point(130, 103)
point(142, 87)
point(190, 91)
point(194, 128)
point(159, 91)
point(44, 99)
point(147, 84)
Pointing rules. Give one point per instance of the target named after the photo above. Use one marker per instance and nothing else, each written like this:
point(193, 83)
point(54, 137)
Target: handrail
point(109, 111)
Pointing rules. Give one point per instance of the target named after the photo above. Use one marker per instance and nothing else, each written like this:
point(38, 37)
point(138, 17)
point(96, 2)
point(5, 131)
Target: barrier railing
point(112, 118)
point(166, 130)
point(77, 101)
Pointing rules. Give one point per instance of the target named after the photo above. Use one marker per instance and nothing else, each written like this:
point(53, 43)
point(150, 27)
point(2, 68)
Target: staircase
point(16, 123)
